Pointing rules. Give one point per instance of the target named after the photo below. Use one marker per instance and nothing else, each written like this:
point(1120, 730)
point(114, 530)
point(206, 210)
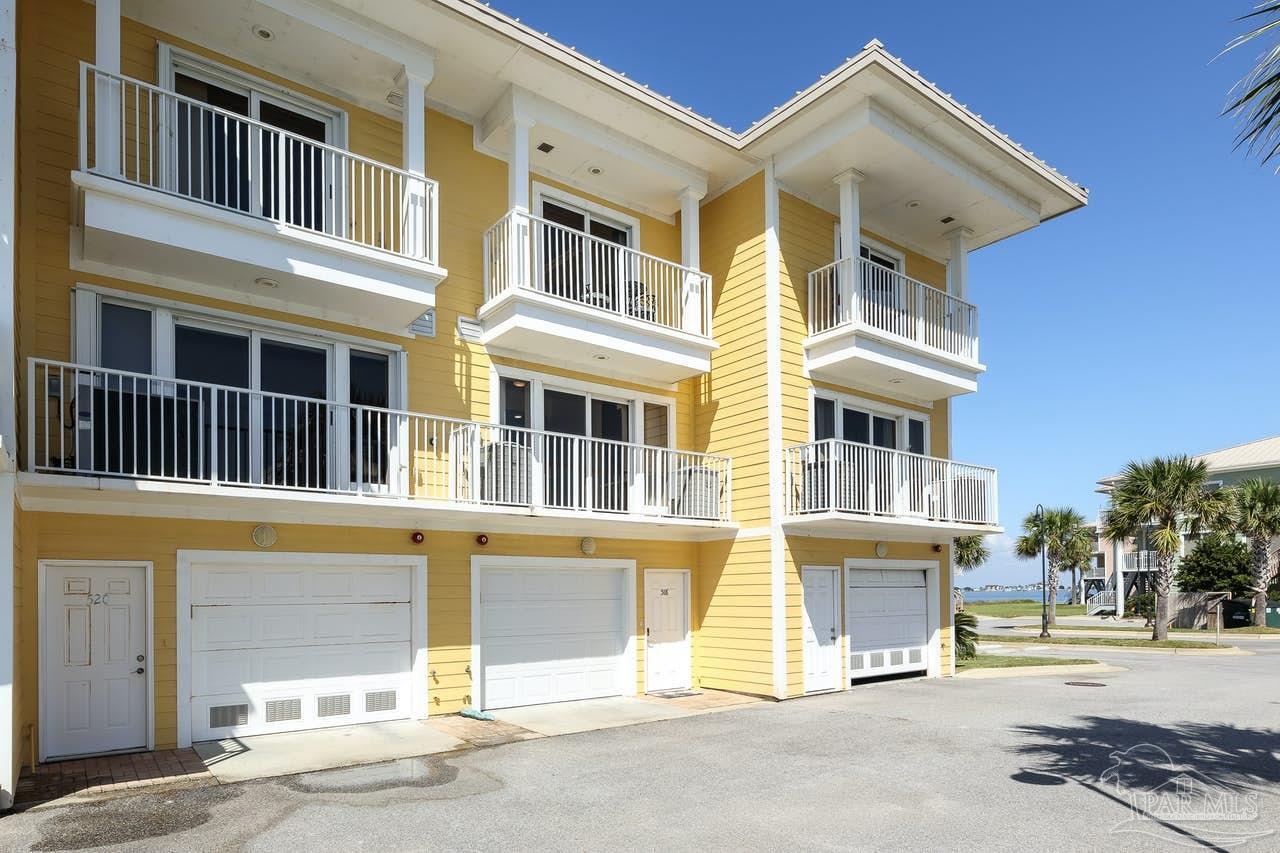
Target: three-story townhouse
point(375, 361)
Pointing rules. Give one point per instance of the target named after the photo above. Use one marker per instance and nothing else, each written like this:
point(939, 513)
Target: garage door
point(887, 621)
point(550, 634)
point(278, 648)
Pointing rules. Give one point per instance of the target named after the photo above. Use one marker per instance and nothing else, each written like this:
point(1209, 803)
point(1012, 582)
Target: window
point(866, 423)
point(580, 249)
point(125, 338)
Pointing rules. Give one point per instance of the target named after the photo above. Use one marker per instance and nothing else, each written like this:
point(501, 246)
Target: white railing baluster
point(215, 153)
point(846, 476)
point(200, 435)
point(867, 294)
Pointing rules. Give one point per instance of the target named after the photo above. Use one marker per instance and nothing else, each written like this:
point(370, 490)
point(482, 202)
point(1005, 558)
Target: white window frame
point(538, 382)
point(608, 215)
point(166, 314)
point(870, 243)
point(899, 414)
point(172, 59)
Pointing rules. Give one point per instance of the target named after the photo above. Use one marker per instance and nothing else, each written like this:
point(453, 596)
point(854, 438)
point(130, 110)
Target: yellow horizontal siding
point(90, 537)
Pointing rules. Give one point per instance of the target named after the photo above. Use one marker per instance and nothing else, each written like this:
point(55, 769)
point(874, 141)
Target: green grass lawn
point(1132, 642)
point(1137, 629)
point(1004, 661)
point(1017, 607)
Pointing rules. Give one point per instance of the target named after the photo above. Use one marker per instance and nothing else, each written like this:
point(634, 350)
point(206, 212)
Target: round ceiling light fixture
point(600, 357)
point(913, 204)
point(269, 283)
point(263, 33)
point(595, 170)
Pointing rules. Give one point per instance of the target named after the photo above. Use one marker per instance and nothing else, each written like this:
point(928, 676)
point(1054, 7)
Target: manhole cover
point(1085, 684)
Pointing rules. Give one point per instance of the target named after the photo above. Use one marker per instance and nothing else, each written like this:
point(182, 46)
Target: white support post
point(692, 296)
point(518, 200)
point(850, 237)
point(107, 93)
point(413, 135)
point(10, 759)
point(1117, 562)
point(958, 262)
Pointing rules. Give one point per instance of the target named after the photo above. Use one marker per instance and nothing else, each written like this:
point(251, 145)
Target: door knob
point(139, 671)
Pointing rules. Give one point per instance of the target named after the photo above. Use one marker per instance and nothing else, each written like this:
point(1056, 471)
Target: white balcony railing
point(864, 294)
point(524, 251)
point(111, 423)
point(142, 134)
point(1139, 561)
point(847, 477)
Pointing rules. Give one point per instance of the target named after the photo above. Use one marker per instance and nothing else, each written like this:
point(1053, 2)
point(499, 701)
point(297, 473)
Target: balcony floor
point(161, 499)
point(850, 525)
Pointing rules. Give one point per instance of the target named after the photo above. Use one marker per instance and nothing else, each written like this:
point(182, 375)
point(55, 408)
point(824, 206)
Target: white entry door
point(94, 658)
point(666, 630)
point(821, 627)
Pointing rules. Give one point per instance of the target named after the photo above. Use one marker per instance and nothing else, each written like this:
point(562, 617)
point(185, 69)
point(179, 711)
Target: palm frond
point(1255, 100)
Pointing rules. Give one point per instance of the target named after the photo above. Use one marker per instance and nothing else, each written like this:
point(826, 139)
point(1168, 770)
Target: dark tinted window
point(370, 379)
point(126, 338)
point(857, 426)
point(915, 436)
point(204, 355)
point(824, 419)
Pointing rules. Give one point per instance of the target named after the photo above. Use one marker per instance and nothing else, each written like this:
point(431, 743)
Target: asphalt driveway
point(1020, 764)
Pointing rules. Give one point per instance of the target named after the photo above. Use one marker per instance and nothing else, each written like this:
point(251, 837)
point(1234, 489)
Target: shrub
point(1143, 605)
point(1216, 564)
point(966, 639)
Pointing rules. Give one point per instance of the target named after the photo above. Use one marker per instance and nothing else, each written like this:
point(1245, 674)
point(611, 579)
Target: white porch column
point(106, 50)
point(1117, 562)
point(518, 164)
point(419, 229)
point(958, 262)
point(10, 762)
point(850, 235)
point(693, 302)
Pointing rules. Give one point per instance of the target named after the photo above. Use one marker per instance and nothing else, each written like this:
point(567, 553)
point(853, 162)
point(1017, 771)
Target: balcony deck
point(872, 326)
point(845, 489)
point(169, 186)
point(601, 307)
point(157, 445)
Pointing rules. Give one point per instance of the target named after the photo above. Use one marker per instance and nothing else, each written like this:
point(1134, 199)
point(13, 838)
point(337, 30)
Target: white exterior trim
point(773, 420)
point(9, 763)
point(932, 571)
point(417, 607)
point(627, 669)
point(42, 641)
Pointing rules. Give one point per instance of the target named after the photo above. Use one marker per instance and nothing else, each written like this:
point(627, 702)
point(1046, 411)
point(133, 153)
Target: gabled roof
point(1263, 453)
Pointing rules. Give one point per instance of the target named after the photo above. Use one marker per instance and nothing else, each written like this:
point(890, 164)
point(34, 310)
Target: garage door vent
point(381, 700)
point(280, 710)
point(224, 716)
point(333, 706)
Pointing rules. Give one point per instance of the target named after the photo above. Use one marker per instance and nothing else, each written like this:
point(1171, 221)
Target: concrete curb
point(1047, 669)
point(1225, 650)
point(1173, 635)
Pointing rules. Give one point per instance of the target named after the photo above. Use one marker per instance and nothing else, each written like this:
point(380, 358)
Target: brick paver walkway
point(111, 773)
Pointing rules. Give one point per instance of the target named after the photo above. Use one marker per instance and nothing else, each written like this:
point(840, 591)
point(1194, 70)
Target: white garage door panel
point(887, 621)
point(551, 635)
point(300, 585)
point(255, 626)
point(237, 671)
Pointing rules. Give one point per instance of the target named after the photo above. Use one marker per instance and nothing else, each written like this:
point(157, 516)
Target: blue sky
point(1146, 323)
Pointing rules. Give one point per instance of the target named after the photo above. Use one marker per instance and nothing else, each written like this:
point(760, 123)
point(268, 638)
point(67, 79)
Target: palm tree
point(1168, 495)
point(1255, 100)
point(969, 552)
point(1077, 559)
point(1255, 515)
point(1062, 533)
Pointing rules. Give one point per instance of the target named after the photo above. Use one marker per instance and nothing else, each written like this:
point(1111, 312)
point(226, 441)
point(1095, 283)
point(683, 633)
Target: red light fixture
point(417, 537)
point(482, 540)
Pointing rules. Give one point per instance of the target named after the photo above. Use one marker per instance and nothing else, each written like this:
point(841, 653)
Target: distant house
point(1124, 569)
